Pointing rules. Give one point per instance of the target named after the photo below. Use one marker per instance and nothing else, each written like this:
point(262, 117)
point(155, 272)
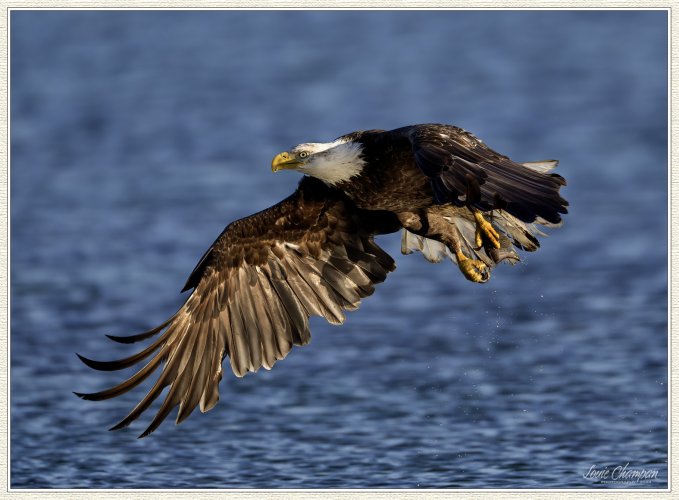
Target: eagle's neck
point(336, 161)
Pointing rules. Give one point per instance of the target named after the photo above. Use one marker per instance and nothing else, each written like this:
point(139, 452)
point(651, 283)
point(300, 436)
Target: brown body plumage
point(313, 253)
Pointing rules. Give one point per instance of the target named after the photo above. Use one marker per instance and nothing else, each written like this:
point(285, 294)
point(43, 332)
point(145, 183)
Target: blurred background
point(137, 136)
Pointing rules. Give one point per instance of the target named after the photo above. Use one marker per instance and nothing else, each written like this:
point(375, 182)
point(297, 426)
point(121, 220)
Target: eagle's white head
point(331, 162)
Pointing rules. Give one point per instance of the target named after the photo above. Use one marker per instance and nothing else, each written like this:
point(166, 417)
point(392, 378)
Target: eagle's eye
point(303, 154)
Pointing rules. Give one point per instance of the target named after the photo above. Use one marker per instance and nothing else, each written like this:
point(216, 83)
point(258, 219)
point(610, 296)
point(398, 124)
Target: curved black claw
point(475, 270)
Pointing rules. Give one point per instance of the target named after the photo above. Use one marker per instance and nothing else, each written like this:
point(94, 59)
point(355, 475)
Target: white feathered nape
point(332, 162)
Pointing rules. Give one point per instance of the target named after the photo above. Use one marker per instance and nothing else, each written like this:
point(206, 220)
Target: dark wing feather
point(464, 171)
point(254, 290)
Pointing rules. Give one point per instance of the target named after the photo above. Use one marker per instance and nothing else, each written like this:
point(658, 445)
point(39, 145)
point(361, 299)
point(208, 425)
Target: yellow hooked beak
point(284, 161)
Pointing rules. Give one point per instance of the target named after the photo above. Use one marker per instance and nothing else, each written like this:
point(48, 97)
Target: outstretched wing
point(464, 171)
point(254, 290)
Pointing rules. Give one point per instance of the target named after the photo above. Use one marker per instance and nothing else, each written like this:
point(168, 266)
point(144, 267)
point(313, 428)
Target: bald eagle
point(314, 252)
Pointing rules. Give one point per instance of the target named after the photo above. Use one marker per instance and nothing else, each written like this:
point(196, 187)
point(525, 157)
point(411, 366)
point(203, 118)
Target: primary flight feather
point(313, 253)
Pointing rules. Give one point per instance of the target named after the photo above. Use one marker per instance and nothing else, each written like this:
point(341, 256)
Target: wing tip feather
point(103, 366)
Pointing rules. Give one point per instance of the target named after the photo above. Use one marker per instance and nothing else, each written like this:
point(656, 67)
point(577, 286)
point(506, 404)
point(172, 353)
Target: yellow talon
point(485, 231)
point(473, 270)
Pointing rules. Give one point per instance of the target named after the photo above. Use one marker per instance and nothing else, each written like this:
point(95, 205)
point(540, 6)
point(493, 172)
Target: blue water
point(136, 136)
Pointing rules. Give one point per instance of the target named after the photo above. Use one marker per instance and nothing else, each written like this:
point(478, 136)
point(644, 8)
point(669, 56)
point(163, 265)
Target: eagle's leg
point(432, 224)
point(485, 232)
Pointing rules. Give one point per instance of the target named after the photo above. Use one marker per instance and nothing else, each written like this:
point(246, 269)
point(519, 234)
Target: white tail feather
point(432, 250)
point(543, 166)
point(512, 231)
